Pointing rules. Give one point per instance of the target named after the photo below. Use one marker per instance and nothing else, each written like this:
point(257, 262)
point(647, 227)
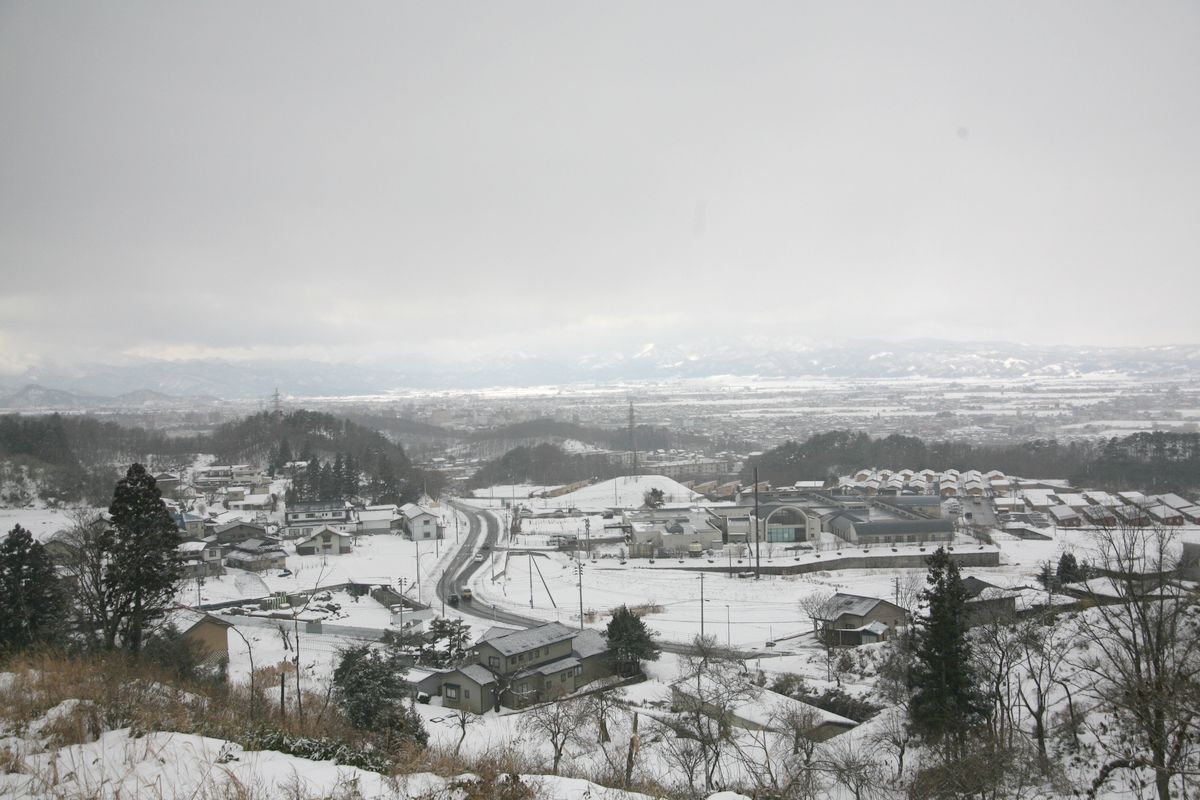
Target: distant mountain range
point(37, 397)
point(166, 383)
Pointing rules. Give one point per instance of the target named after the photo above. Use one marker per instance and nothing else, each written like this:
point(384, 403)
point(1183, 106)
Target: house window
point(451, 692)
point(466, 694)
point(521, 657)
point(493, 662)
point(512, 659)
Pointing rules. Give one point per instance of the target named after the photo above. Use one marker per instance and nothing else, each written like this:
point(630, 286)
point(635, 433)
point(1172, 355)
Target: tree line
point(1156, 461)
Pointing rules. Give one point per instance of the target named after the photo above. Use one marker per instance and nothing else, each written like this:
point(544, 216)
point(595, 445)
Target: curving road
point(464, 566)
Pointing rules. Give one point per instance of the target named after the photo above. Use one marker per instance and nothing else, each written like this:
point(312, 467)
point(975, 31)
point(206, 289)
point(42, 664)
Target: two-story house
point(325, 541)
point(851, 619)
point(304, 519)
point(518, 668)
point(200, 559)
point(421, 523)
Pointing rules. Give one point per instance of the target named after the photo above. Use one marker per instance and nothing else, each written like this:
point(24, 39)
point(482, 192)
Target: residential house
point(986, 601)
point(190, 525)
point(378, 519)
point(325, 541)
point(851, 620)
point(167, 482)
point(421, 523)
point(236, 531)
point(517, 668)
point(1065, 517)
point(256, 555)
point(1165, 515)
point(200, 559)
point(303, 519)
point(210, 634)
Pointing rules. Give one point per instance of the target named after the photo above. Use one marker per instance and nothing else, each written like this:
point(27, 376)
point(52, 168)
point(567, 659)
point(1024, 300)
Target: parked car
point(479, 556)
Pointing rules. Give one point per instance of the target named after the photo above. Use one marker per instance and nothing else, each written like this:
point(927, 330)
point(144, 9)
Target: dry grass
point(88, 695)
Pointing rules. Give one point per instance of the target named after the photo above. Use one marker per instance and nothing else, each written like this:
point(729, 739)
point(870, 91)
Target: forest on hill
point(1155, 461)
point(75, 458)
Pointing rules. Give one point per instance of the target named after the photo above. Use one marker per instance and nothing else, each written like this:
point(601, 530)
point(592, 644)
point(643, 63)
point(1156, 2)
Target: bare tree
point(893, 734)
point(854, 769)
point(1143, 655)
point(558, 722)
point(716, 683)
point(818, 607)
point(1043, 651)
point(997, 651)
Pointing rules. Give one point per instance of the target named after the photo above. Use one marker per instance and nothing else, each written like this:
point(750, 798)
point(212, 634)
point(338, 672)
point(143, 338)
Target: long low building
point(855, 529)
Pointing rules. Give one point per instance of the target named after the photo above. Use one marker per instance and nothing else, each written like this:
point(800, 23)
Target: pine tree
point(629, 642)
point(312, 479)
point(369, 687)
point(143, 564)
point(32, 603)
point(326, 487)
point(947, 701)
point(337, 480)
point(1068, 569)
point(350, 481)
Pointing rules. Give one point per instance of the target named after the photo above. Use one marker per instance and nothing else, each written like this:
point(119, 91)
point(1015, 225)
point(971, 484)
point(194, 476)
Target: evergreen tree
point(326, 488)
point(947, 701)
point(369, 687)
point(337, 481)
point(312, 479)
point(1068, 569)
point(351, 487)
point(32, 603)
point(629, 642)
point(143, 564)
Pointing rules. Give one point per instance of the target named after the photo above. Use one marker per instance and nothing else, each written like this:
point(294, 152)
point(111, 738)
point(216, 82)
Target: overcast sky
point(346, 180)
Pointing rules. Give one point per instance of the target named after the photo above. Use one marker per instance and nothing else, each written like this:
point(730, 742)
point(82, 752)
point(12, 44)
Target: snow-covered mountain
point(865, 360)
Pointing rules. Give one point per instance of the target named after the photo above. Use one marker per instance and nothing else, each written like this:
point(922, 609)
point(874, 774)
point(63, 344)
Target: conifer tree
point(350, 483)
point(143, 565)
point(337, 481)
point(947, 701)
point(32, 603)
point(629, 642)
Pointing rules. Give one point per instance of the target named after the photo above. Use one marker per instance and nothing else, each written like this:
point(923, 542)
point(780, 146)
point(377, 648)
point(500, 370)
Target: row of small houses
point(315, 528)
point(1102, 509)
point(947, 483)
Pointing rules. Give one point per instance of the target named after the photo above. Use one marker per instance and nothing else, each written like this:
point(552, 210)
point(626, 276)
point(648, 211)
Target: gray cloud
point(341, 181)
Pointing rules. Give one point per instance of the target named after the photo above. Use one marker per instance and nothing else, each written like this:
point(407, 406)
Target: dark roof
point(897, 526)
point(310, 507)
point(588, 643)
point(854, 604)
point(511, 644)
point(974, 586)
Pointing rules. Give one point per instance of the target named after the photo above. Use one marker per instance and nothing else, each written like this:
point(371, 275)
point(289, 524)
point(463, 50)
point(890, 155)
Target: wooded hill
point(77, 458)
point(1153, 461)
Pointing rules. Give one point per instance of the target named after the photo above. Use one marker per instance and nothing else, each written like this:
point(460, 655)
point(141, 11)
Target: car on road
point(452, 599)
point(479, 556)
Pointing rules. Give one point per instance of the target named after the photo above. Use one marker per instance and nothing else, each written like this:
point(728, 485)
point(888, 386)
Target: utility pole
point(701, 605)
point(579, 572)
point(728, 628)
point(531, 580)
point(418, 545)
point(587, 531)
point(401, 583)
point(757, 550)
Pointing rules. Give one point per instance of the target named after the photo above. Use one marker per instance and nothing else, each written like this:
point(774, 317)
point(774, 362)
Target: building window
point(466, 694)
point(451, 692)
point(493, 662)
